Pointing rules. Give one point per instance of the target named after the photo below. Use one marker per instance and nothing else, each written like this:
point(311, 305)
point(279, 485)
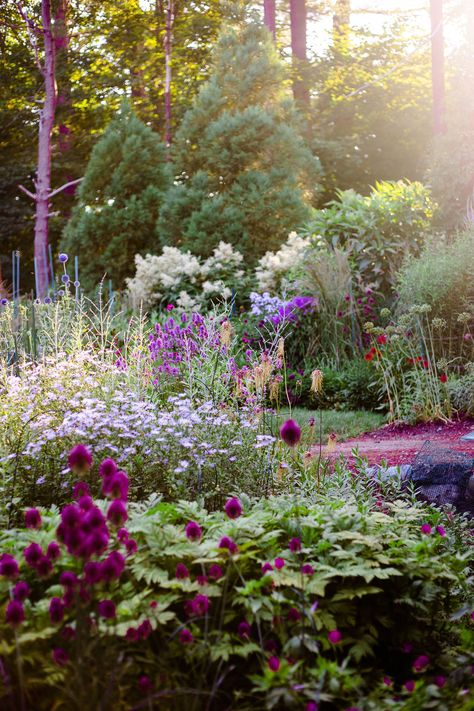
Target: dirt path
point(399, 444)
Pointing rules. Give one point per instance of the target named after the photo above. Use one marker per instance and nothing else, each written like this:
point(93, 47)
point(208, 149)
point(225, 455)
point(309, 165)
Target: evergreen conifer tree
point(245, 175)
point(118, 201)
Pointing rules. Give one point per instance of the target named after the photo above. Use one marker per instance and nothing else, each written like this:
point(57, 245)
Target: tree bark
point(298, 50)
point(437, 66)
point(43, 175)
point(269, 16)
point(341, 18)
point(168, 75)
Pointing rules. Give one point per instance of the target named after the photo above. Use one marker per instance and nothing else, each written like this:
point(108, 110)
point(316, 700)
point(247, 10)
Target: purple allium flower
point(440, 681)
point(421, 663)
point(267, 568)
point(311, 706)
point(71, 516)
point(193, 531)
point(228, 543)
point(81, 488)
point(63, 258)
point(307, 569)
point(122, 535)
point(113, 566)
point(181, 571)
point(106, 609)
point(32, 554)
point(279, 563)
point(107, 468)
point(440, 531)
point(294, 545)
point(290, 432)
point(244, 630)
point(32, 518)
point(233, 508)
point(68, 579)
point(144, 630)
point(15, 613)
point(215, 572)
point(9, 566)
point(145, 685)
point(65, 279)
point(409, 685)
point(426, 529)
point(200, 605)
point(4, 302)
point(53, 552)
point(60, 656)
point(131, 546)
point(294, 615)
point(92, 572)
point(202, 580)
point(185, 636)
point(334, 636)
point(117, 513)
point(44, 567)
point(131, 635)
point(85, 503)
point(47, 300)
point(116, 485)
point(68, 632)
point(21, 591)
point(94, 519)
point(77, 284)
point(56, 610)
point(79, 459)
point(274, 664)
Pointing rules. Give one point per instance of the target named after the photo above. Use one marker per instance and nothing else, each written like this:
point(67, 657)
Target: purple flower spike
point(21, 591)
point(15, 613)
point(233, 508)
point(8, 566)
point(290, 432)
point(32, 518)
point(80, 459)
point(274, 664)
point(60, 656)
point(106, 609)
point(181, 571)
point(426, 529)
point(117, 513)
point(294, 545)
point(56, 610)
point(193, 531)
point(185, 636)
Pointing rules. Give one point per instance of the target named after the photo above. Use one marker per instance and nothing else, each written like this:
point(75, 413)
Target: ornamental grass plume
point(290, 432)
point(316, 381)
point(225, 335)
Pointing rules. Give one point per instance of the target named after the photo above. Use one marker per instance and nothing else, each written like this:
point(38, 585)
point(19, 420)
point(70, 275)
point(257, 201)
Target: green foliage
point(245, 174)
point(376, 231)
point(376, 579)
point(461, 391)
point(443, 278)
point(118, 201)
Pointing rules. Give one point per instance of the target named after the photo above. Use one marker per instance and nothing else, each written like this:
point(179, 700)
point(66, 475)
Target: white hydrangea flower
point(273, 266)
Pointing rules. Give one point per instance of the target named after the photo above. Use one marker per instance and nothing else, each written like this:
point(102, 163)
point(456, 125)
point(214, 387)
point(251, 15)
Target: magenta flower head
point(68, 579)
point(81, 488)
point(267, 568)
point(233, 508)
point(440, 681)
point(274, 664)
point(181, 571)
point(92, 572)
point(228, 543)
point(279, 563)
point(294, 615)
point(107, 468)
point(21, 591)
point(79, 459)
point(122, 535)
point(193, 531)
point(290, 432)
point(117, 513)
point(215, 572)
point(440, 531)
point(44, 567)
point(15, 613)
point(334, 636)
point(60, 656)
point(116, 486)
point(421, 663)
point(426, 529)
point(9, 567)
point(85, 503)
point(131, 546)
point(32, 518)
point(244, 629)
point(307, 569)
point(294, 545)
point(200, 605)
point(144, 630)
point(145, 685)
point(53, 552)
point(32, 555)
point(63, 258)
point(185, 636)
point(56, 610)
point(409, 685)
point(113, 566)
point(107, 609)
point(311, 706)
point(71, 516)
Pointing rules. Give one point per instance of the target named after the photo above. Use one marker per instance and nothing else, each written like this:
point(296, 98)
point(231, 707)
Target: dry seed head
point(226, 333)
point(281, 348)
point(316, 381)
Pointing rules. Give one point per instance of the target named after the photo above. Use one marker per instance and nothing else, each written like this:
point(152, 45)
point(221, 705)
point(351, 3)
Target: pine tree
point(245, 175)
point(118, 201)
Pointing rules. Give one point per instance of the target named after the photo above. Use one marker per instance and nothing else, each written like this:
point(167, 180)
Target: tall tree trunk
point(437, 65)
point(168, 51)
point(43, 175)
point(298, 49)
point(341, 18)
point(269, 16)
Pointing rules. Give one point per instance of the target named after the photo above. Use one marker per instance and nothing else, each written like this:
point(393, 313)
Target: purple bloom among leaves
point(32, 518)
point(193, 531)
point(233, 508)
point(80, 459)
point(9, 566)
point(15, 613)
point(60, 656)
point(107, 609)
point(290, 432)
point(21, 591)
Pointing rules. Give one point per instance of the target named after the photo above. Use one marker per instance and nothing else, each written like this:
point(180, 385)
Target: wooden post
point(269, 16)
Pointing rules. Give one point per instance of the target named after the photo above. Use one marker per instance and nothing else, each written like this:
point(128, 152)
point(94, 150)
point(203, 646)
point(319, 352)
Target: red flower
point(369, 356)
point(382, 339)
point(443, 378)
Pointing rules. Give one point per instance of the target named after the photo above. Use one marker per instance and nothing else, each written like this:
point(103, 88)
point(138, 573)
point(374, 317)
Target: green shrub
point(372, 609)
point(461, 391)
point(377, 231)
